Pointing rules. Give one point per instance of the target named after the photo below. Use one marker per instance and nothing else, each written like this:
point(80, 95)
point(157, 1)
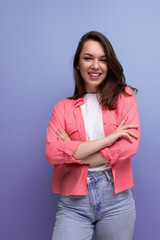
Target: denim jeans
point(111, 216)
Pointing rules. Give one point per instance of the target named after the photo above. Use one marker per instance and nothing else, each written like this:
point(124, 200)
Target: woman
point(90, 139)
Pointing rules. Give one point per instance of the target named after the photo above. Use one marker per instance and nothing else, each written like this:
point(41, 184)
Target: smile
point(94, 74)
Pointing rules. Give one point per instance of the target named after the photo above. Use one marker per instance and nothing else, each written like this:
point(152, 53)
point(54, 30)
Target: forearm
point(86, 149)
point(94, 158)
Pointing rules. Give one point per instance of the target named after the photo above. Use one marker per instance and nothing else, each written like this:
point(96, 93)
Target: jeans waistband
point(97, 176)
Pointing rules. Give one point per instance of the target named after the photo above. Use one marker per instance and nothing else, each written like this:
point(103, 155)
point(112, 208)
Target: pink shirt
point(69, 177)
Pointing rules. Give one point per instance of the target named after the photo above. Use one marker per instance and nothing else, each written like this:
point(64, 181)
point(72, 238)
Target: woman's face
point(92, 65)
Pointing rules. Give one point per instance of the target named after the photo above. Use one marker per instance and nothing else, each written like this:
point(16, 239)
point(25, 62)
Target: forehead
point(93, 47)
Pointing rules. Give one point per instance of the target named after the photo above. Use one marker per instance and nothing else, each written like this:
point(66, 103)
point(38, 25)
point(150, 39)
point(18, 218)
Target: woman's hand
point(122, 131)
point(62, 135)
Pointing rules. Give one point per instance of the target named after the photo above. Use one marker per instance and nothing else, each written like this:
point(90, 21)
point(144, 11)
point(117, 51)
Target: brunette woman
point(91, 137)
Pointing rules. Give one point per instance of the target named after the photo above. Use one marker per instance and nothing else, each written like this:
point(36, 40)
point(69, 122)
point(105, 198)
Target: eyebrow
point(92, 55)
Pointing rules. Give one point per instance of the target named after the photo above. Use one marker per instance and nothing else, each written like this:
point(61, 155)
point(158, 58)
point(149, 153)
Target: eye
point(88, 58)
point(103, 60)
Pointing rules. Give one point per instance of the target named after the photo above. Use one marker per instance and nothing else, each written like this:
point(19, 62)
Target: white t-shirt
point(92, 115)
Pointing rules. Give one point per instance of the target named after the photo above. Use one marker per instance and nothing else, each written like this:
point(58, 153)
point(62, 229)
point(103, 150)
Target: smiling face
point(92, 65)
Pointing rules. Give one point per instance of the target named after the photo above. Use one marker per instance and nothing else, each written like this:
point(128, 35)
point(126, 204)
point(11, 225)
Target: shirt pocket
point(72, 131)
point(113, 125)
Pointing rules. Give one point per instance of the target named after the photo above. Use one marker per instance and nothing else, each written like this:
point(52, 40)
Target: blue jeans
point(111, 216)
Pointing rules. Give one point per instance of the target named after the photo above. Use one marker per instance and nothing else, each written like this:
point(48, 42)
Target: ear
point(78, 67)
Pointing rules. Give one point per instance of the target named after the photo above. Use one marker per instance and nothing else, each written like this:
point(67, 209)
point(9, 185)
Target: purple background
point(37, 43)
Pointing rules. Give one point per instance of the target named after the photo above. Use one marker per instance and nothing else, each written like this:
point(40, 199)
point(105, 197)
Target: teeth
point(94, 74)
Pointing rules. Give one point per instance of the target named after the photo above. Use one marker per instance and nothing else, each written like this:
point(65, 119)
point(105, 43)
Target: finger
point(127, 136)
point(65, 135)
point(61, 132)
point(59, 138)
point(123, 121)
point(130, 126)
point(132, 134)
point(130, 139)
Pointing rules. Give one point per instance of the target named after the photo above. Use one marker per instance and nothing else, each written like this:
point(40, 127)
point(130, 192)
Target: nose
point(95, 64)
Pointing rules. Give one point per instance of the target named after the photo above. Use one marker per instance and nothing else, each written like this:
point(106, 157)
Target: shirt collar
point(78, 102)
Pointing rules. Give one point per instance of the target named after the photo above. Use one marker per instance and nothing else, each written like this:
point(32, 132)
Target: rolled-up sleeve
point(59, 151)
point(122, 149)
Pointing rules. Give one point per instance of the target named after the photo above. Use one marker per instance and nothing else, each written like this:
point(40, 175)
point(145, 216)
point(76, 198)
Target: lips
point(94, 74)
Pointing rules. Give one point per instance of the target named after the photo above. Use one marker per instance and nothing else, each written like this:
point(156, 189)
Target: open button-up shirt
point(70, 177)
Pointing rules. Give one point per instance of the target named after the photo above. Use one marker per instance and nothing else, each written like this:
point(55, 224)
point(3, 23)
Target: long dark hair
point(115, 81)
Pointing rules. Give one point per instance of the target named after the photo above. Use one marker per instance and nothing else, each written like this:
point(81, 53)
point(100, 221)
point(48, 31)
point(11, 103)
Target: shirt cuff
point(68, 148)
point(110, 155)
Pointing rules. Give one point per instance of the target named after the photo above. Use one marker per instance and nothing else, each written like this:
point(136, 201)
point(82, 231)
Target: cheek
point(84, 69)
point(106, 71)
point(106, 68)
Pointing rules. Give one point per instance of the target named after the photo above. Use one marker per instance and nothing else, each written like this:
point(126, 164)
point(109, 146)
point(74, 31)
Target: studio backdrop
point(37, 43)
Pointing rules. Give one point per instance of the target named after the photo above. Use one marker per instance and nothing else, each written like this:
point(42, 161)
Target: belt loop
point(108, 176)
